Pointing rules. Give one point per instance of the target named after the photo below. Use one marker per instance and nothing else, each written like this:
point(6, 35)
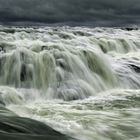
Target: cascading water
point(81, 81)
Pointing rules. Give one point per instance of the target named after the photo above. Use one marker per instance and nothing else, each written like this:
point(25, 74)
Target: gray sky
point(70, 12)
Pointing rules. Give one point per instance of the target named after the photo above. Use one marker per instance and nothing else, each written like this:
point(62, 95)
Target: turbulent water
point(83, 82)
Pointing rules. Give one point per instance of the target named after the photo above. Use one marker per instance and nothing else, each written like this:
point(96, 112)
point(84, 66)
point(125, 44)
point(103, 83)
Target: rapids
point(83, 82)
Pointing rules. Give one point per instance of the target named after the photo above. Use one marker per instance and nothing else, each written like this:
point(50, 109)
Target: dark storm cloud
point(79, 12)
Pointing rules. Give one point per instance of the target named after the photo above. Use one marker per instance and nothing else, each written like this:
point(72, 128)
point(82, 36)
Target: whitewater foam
point(83, 82)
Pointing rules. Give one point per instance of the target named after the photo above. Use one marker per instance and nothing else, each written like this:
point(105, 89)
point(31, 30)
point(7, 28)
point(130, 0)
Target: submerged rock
point(17, 128)
point(135, 68)
point(130, 28)
point(13, 127)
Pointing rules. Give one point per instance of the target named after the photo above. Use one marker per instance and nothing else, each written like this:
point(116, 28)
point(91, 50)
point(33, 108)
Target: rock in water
point(13, 127)
point(18, 128)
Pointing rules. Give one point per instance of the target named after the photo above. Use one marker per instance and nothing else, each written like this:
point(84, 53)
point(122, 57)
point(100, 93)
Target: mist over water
point(83, 82)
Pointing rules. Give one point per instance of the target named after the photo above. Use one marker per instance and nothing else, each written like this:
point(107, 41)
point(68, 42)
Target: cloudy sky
point(70, 12)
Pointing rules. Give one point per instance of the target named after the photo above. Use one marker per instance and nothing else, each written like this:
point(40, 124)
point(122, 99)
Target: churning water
point(81, 81)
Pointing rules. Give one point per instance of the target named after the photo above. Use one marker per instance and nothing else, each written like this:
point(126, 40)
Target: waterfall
point(65, 65)
point(83, 82)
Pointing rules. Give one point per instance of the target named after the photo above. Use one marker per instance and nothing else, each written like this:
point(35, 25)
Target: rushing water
point(83, 82)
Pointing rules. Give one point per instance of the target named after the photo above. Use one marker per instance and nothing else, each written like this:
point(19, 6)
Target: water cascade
point(84, 70)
